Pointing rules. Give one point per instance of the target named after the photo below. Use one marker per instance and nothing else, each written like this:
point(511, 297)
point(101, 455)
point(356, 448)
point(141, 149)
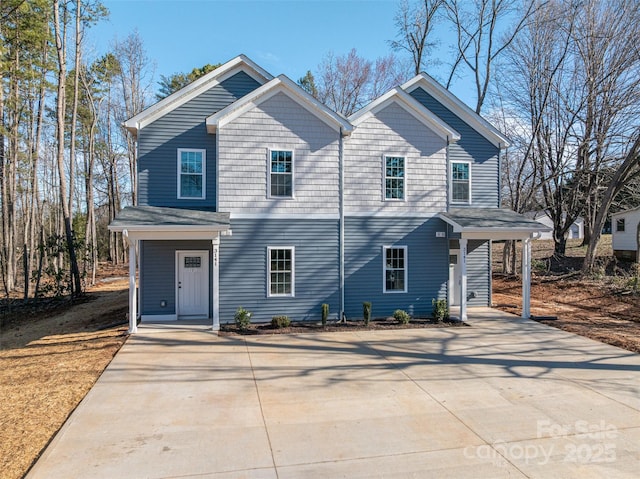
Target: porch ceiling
point(491, 223)
point(153, 222)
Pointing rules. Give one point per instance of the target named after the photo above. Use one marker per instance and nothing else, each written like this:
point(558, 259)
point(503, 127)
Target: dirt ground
point(581, 307)
point(48, 363)
point(604, 306)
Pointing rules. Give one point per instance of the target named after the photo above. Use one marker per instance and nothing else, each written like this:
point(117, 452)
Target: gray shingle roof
point(145, 216)
point(490, 219)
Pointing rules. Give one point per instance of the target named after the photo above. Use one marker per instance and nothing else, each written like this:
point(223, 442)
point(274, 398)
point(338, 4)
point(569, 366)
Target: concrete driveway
point(503, 398)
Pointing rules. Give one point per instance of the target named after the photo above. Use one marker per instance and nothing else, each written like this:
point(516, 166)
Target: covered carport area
point(492, 224)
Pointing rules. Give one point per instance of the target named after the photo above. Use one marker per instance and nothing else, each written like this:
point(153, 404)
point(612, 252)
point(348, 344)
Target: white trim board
point(466, 114)
point(284, 85)
point(411, 106)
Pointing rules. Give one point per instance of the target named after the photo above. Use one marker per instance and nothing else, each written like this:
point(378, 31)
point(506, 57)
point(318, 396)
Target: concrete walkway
point(503, 398)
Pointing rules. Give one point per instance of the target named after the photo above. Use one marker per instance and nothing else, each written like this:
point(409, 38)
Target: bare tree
point(483, 32)
point(628, 169)
point(348, 82)
point(60, 34)
point(608, 61)
point(415, 23)
point(135, 75)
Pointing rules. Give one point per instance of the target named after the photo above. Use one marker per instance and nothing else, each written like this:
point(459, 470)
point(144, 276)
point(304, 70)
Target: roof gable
point(411, 106)
point(280, 84)
point(195, 88)
point(450, 101)
point(626, 212)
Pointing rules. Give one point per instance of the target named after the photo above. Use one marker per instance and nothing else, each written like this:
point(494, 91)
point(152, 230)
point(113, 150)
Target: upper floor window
point(394, 176)
point(620, 224)
point(460, 182)
point(280, 271)
point(281, 173)
point(191, 173)
point(395, 269)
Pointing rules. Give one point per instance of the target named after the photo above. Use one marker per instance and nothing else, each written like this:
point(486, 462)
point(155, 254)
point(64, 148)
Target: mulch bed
point(331, 327)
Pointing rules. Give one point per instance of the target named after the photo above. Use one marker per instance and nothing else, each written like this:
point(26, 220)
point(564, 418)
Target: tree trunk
point(630, 165)
point(76, 284)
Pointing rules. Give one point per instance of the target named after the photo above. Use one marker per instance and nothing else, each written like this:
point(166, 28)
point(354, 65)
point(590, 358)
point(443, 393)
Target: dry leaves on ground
point(48, 365)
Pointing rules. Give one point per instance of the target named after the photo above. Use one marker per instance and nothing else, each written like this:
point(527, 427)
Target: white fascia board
point(411, 106)
point(171, 232)
point(195, 88)
point(507, 234)
point(281, 84)
point(393, 213)
point(454, 104)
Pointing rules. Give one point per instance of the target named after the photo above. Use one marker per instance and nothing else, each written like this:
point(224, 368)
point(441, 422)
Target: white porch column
point(463, 279)
point(133, 296)
point(215, 286)
point(526, 278)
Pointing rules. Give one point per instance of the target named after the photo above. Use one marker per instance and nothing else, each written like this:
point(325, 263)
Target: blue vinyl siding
point(485, 175)
point(184, 127)
point(243, 268)
point(478, 273)
point(158, 274)
point(428, 267)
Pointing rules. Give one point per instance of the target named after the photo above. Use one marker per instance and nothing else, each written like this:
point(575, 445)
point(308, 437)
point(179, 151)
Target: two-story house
point(252, 193)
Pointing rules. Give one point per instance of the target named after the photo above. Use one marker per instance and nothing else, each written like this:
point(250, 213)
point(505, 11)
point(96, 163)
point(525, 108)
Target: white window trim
point(459, 202)
point(384, 269)
point(293, 272)
point(384, 178)
point(204, 173)
point(624, 225)
point(293, 174)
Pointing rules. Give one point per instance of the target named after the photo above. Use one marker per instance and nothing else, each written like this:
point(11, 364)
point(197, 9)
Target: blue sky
point(287, 37)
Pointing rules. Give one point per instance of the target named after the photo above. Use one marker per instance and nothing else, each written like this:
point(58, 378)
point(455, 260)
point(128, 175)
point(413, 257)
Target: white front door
point(454, 277)
point(192, 284)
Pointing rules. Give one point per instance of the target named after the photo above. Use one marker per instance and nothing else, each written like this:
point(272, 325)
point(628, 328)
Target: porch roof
point(154, 222)
point(491, 223)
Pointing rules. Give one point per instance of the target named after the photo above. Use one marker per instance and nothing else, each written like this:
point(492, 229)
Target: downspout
point(341, 221)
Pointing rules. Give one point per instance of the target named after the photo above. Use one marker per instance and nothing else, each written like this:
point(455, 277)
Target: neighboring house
point(626, 234)
point(252, 193)
point(576, 231)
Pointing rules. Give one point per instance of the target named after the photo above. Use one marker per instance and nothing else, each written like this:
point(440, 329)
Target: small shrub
point(280, 321)
point(325, 313)
point(242, 318)
point(440, 309)
point(539, 266)
point(401, 316)
point(366, 312)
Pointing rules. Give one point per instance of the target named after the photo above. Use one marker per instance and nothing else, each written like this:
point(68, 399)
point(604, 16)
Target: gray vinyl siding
point(243, 268)
point(158, 274)
point(394, 131)
point(428, 266)
point(485, 174)
point(184, 127)
point(282, 124)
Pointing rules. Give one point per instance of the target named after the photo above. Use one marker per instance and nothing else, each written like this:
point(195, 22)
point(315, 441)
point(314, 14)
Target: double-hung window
point(394, 176)
point(191, 173)
point(281, 173)
point(620, 225)
point(395, 269)
point(460, 182)
point(281, 271)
